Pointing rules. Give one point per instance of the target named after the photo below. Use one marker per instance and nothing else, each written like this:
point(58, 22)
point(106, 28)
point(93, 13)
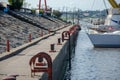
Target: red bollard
point(9, 78)
point(8, 46)
point(59, 41)
point(41, 33)
point(40, 62)
point(64, 33)
point(41, 68)
point(52, 48)
point(49, 31)
point(30, 37)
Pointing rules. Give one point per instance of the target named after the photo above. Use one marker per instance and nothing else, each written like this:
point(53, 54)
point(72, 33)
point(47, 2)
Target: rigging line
point(93, 5)
point(105, 4)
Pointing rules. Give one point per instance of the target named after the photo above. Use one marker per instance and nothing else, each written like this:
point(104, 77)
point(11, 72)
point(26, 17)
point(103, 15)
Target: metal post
point(73, 16)
point(69, 54)
point(45, 5)
point(66, 15)
point(8, 46)
point(39, 5)
point(78, 17)
point(30, 37)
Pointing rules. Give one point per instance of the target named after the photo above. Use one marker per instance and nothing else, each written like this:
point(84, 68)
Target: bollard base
point(52, 51)
point(9, 78)
point(59, 44)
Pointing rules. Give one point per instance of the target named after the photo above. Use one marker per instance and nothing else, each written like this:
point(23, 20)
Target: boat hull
point(105, 40)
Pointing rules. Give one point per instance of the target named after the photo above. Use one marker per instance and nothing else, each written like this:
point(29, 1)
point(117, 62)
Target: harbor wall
point(61, 61)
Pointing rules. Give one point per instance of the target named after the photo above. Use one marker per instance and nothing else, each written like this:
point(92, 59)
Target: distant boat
point(107, 35)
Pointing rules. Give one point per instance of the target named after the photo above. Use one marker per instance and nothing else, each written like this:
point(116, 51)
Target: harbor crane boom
point(114, 4)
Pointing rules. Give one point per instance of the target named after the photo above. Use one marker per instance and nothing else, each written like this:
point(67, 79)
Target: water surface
point(91, 63)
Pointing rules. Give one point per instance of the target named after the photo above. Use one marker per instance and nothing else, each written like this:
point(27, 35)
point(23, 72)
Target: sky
point(71, 4)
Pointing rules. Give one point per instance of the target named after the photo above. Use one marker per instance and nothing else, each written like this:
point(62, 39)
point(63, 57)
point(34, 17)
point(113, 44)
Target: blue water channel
point(91, 63)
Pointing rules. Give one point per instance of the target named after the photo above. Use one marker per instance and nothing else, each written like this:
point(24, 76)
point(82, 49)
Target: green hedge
point(16, 4)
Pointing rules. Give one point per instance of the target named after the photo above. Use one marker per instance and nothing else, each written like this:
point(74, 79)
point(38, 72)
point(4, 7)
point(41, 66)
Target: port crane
point(40, 4)
point(114, 4)
point(45, 10)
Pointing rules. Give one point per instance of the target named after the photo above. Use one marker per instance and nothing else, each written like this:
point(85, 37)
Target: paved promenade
point(19, 64)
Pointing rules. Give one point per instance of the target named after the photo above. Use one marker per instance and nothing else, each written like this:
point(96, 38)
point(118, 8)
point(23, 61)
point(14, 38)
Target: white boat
point(107, 35)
